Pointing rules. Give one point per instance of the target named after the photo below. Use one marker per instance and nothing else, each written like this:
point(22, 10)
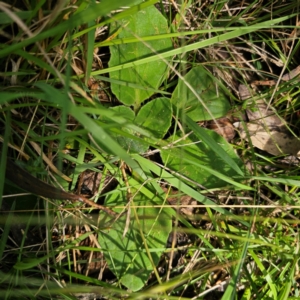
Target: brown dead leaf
point(266, 130)
point(223, 127)
point(263, 116)
point(271, 140)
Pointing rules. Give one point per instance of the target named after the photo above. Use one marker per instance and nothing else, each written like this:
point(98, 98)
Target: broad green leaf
point(132, 257)
point(198, 45)
point(128, 144)
point(148, 21)
point(189, 154)
point(136, 2)
point(156, 117)
point(202, 135)
point(213, 104)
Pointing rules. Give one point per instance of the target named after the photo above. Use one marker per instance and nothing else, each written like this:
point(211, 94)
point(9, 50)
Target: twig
point(26, 181)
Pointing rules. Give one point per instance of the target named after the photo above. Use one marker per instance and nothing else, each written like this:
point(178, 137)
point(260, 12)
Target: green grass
point(126, 92)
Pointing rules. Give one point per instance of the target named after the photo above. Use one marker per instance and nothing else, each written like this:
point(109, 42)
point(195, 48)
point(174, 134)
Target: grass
point(117, 98)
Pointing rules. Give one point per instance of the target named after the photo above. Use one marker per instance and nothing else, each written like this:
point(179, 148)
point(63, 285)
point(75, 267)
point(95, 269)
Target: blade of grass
point(266, 273)
point(285, 181)
point(126, 13)
point(89, 51)
point(93, 12)
point(205, 43)
point(9, 220)
point(4, 154)
point(182, 186)
point(286, 290)
point(202, 135)
point(101, 136)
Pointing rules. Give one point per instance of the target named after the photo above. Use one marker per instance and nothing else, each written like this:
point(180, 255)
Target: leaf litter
point(265, 129)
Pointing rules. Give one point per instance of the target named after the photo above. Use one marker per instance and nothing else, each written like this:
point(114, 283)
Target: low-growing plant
point(125, 93)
